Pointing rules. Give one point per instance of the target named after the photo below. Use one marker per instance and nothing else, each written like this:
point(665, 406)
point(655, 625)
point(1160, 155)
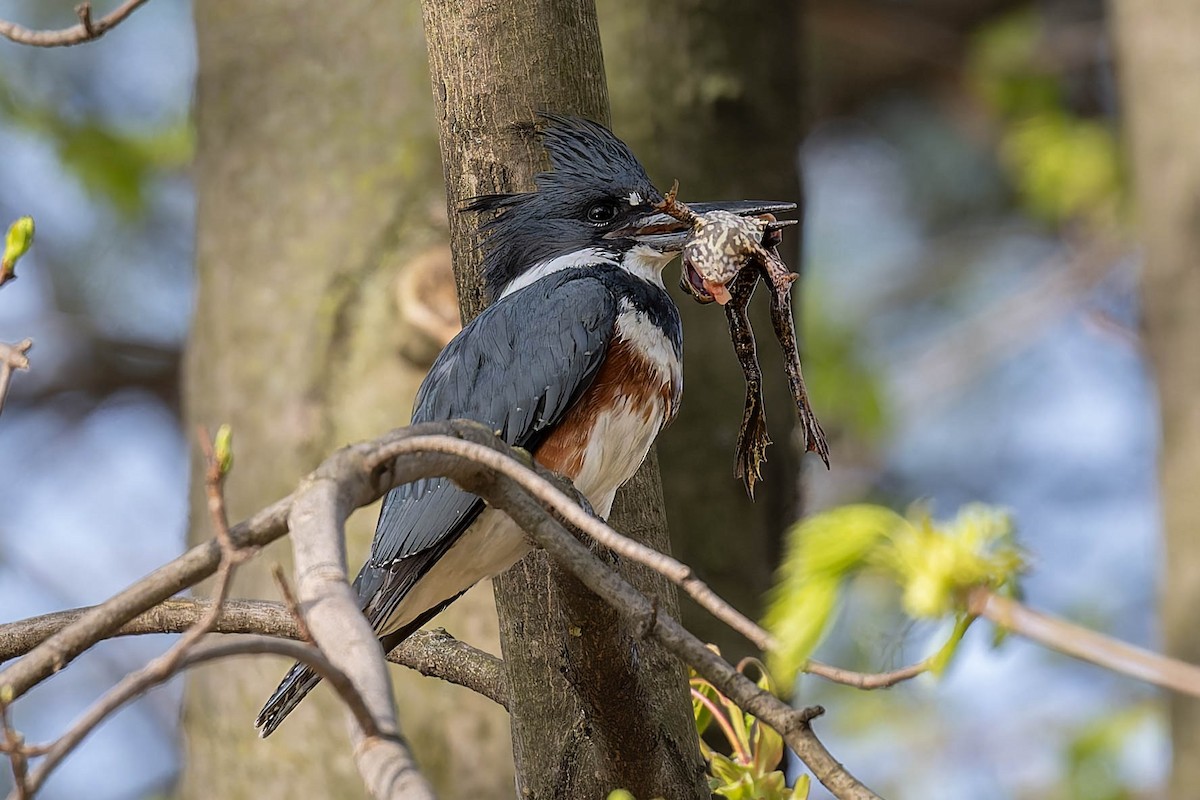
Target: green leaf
point(941, 659)
point(725, 769)
point(764, 741)
point(821, 552)
point(935, 564)
point(700, 710)
point(763, 681)
point(16, 244)
point(1002, 67)
point(1093, 758)
point(767, 748)
point(223, 448)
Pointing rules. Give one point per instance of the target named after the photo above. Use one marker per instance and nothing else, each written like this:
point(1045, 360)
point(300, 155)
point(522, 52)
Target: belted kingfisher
point(577, 360)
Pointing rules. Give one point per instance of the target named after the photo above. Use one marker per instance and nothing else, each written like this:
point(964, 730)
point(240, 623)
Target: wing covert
point(517, 368)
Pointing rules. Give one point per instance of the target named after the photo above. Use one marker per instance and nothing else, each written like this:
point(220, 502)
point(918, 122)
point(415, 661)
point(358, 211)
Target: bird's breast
point(603, 439)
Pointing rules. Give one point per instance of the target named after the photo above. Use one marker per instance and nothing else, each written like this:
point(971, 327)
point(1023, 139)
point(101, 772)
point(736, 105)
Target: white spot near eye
point(635, 199)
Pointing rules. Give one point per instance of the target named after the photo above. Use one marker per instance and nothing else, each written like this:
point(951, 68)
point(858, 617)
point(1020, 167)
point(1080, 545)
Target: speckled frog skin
point(722, 243)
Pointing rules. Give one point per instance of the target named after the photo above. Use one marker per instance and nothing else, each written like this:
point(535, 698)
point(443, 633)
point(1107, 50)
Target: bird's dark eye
point(602, 212)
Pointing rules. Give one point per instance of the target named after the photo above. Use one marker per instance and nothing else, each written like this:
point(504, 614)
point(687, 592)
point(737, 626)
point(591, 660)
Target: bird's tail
point(299, 681)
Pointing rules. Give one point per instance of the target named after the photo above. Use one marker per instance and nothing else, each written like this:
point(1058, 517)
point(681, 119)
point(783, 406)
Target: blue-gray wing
point(516, 368)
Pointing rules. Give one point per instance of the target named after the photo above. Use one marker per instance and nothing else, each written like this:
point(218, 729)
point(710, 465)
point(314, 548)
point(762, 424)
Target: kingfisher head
point(596, 205)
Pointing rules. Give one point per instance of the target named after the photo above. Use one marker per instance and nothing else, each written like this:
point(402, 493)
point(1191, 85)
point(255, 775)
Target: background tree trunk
point(317, 187)
point(1159, 49)
point(705, 92)
point(593, 707)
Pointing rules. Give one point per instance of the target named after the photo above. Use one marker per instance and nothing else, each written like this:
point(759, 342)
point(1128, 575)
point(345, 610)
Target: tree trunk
point(1159, 50)
point(316, 178)
point(703, 91)
point(593, 707)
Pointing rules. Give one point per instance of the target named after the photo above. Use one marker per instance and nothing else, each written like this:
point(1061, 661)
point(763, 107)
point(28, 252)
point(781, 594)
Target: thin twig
point(214, 486)
point(435, 653)
point(1086, 644)
point(792, 724)
point(366, 472)
point(544, 491)
point(140, 682)
point(12, 357)
point(866, 680)
point(13, 745)
point(166, 665)
point(84, 12)
point(293, 605)
point(87, 30)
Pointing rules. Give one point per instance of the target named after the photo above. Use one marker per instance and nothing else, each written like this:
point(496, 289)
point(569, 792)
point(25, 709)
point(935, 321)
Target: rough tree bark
point(705, 92)
point(594, 708)
point(317, 187)
point(1158, 44)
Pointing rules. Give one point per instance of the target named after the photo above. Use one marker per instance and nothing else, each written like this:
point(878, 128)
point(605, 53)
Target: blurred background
point(971, 326)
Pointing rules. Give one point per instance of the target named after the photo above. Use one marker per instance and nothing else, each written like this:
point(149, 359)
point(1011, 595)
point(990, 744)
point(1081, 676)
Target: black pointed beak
point(744, 208)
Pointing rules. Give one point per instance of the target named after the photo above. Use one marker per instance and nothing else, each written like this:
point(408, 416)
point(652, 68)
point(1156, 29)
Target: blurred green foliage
point(845, 390)
point(934, 565)
point(1093, 770)
point(1064, 166)
point(112, 164)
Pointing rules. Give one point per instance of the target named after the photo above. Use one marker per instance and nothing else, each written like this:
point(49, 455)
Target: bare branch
point(12, 357)
point(545, 491)
point(166, 665)
point(866, 680)
point(102, 621)
point(330, 607)
point(293, 605)
point(361, 473)
point(84, 12)
point(1086, 644)
point(794, 725)
point(138, 683)
point(435, 654)
point(87, 30)
point(13, 745)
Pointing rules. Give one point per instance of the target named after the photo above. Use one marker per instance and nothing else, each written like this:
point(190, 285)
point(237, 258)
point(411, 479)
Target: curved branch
point(435, 654)
point(545, 491)
point(866, 680)
point(100, 622)
point(140, 682)
point(1086, 644)
point(87, 30)
point(466, 453)
point(331, 613)
point(792, 724)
